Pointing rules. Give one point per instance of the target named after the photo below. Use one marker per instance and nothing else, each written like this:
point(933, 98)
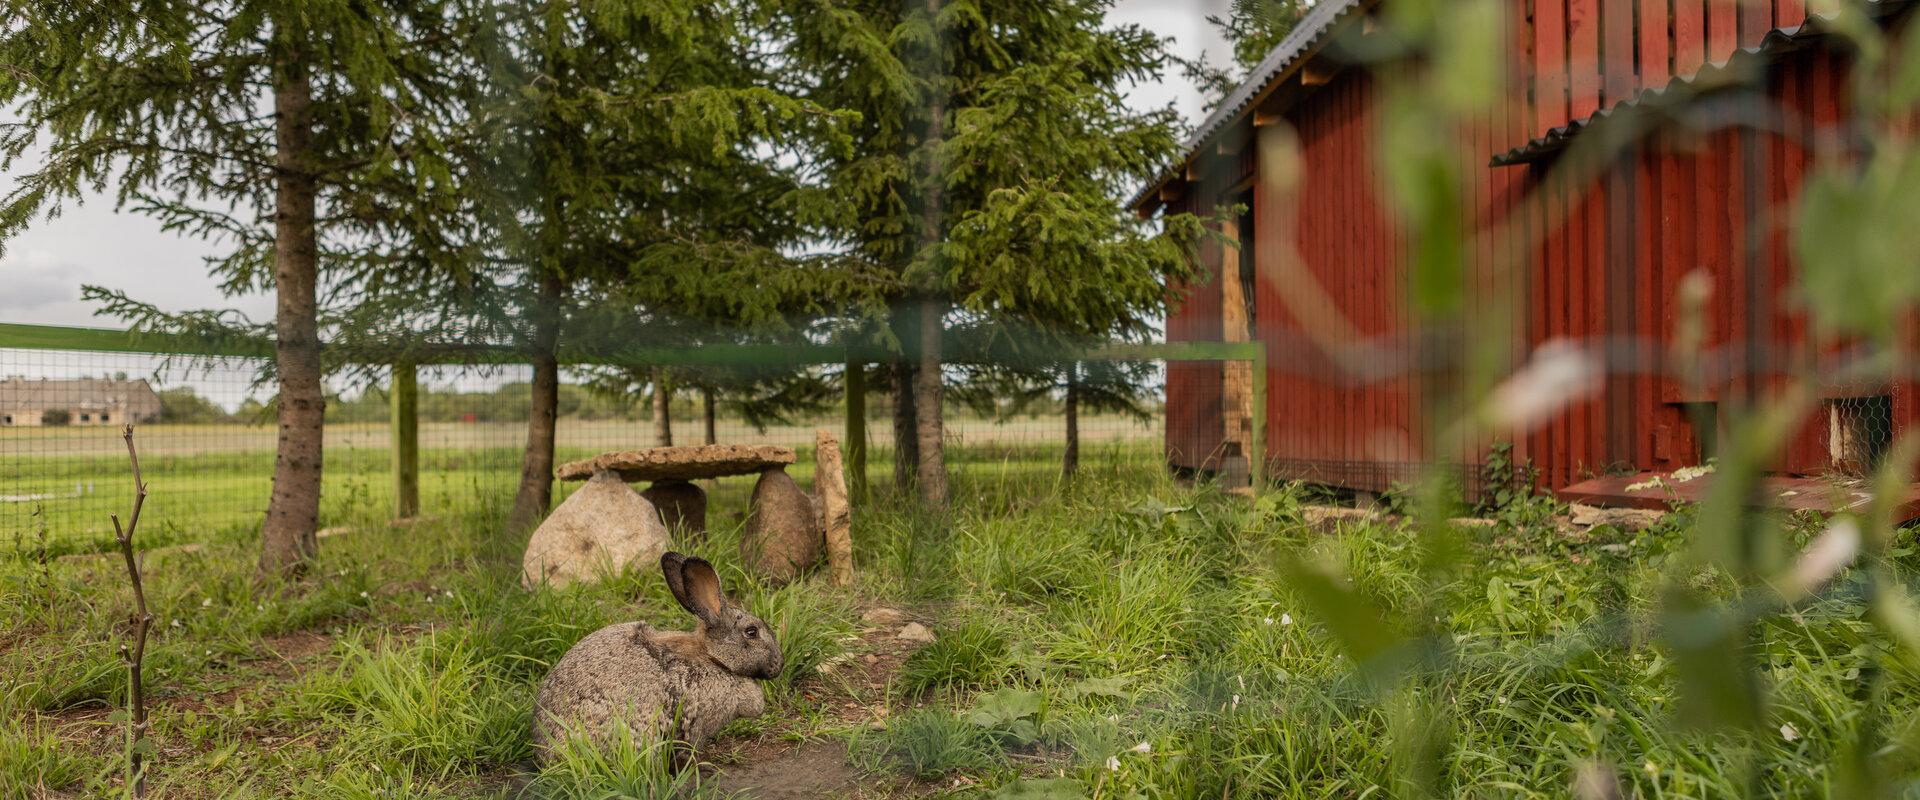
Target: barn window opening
point(1704, 417)
point(6, 419)
point(86, 417)
point(103, 418)
point(1859, 432)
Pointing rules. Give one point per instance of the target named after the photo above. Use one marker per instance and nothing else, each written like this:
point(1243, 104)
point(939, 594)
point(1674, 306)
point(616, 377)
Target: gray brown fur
point(683, 684)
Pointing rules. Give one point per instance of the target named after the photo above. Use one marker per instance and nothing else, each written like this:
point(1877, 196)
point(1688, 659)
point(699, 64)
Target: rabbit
point(685, 684)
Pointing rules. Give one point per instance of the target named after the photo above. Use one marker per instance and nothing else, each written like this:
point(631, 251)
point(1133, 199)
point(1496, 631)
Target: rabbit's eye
point(753, 632)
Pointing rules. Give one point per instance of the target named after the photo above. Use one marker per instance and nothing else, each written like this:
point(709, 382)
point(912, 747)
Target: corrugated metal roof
point(1676, 97)
point(1308, 34)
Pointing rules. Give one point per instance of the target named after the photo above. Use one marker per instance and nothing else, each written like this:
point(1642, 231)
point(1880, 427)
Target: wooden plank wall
point(1615, 253)
point(1600, 263)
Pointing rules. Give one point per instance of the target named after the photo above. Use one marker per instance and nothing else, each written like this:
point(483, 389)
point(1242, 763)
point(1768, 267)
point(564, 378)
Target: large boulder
point(782, 538)
point(682, 505)
point(599, 530)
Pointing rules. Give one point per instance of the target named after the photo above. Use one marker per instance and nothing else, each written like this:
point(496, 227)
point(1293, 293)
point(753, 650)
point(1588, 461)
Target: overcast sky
point(44, 267)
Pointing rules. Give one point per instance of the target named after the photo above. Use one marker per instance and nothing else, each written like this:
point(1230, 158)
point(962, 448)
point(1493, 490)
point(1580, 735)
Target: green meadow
point(1114, 636)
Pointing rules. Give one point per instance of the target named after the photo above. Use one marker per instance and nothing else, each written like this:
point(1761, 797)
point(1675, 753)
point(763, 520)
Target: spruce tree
point(268, 126)
point(621, 168)
point(991, 151)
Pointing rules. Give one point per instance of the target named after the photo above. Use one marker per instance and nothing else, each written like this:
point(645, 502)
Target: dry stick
point(137, 726)
point(836, 515)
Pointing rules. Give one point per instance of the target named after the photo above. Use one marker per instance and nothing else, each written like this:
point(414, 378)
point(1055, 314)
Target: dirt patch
point(853, 692)
point(813, 769)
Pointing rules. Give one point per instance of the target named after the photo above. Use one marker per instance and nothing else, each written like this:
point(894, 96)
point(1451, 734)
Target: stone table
point(683, 506)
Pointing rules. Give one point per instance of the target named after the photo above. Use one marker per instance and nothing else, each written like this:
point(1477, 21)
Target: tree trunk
point(929, 428)
point(288, 537)
point(535, 497)
point(1070, 463)
point(856, 447)
point(906, 448)
point(931, 475)
point(706, 414)
point(662, 410)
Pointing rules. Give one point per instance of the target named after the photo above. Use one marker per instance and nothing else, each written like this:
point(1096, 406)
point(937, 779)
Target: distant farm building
point(1600, 260)
point(87, 401)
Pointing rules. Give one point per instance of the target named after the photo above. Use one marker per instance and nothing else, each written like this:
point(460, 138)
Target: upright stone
point(782, 538)
point(836, 516)
point(682, 506)
point(599, 530)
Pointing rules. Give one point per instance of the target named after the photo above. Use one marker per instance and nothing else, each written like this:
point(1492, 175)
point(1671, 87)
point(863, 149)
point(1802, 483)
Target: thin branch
point(137, 695)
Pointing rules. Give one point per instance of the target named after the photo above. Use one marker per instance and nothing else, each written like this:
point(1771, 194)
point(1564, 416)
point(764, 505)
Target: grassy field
point(1115, 637)
point(62, 483)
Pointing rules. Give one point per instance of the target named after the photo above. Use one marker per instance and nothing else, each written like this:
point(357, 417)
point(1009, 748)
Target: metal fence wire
point(1859, 431)
point(207, 433)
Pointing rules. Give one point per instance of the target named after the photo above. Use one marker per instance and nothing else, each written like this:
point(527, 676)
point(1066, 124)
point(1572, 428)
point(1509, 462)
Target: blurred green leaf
point(1356, 622)
point(1711, 660)
point(1004, 706)
point(1042, 789)
point(1114, 687)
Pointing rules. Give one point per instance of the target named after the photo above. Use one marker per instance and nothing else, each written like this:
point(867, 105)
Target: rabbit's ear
point(699, 591)
point(670, 564)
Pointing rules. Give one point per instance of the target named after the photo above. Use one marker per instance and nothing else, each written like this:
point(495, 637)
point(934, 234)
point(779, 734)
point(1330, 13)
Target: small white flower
point(206, 602)
point(176, 623)
point(1650, 768)
point(259, 607)
point(1286, 619)
point(1143, 747)
point(1501, 699)
point(1114, 718)
point(1236, 702)
point(1266, 620)
point(1113, 763)
point(363, 594)
point(1789, 733)
point(448, 593)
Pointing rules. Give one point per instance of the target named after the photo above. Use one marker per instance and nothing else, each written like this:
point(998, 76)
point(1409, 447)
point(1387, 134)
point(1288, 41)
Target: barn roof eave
point(1304, 40)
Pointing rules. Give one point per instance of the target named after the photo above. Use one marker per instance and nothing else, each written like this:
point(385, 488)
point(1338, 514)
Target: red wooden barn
point(1599, 262)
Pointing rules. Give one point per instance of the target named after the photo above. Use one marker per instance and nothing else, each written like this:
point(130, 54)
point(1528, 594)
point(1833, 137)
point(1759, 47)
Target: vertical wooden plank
point(1550, 64)
point(1583, 57)
point(1722, 29)
point(1647, 207)
point(1619, 73)
point(1655, 43)
point(1756, 18)
point(405, 424)
point(1789, 13)
point(1689, 36)
point(856, 449)
point(1594, 319)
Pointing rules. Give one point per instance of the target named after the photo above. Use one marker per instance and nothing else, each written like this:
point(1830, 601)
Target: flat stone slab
point(683, 463)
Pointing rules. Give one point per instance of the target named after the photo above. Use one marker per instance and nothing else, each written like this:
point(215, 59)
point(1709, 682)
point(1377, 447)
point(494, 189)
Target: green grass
point(1119, 635)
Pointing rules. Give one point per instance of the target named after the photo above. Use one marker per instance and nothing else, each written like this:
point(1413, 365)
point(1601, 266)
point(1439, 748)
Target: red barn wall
point(1598, 263)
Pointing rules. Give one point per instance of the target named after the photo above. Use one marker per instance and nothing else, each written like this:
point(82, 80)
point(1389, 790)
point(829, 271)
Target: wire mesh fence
point(207, 434)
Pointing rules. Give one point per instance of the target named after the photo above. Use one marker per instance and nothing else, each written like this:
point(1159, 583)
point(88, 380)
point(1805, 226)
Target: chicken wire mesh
point(1859, 431)
point(207, 433)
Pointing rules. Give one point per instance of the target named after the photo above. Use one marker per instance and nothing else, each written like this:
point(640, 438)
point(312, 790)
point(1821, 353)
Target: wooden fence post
point(856, 446)
point(405, 394)
point(835, 513)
